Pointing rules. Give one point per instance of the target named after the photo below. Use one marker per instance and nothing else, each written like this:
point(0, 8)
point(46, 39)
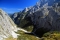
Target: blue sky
point(11, 6)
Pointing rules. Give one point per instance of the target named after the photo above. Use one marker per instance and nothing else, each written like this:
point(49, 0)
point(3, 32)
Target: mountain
point(7, 26)
point(10, 31)
point(44, 16)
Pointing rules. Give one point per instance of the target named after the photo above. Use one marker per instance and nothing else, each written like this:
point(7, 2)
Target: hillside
point(7, 26)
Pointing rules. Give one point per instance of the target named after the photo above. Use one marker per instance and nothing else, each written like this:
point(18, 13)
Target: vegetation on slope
point(24, 36)
point(54, 35)
point(10, 38)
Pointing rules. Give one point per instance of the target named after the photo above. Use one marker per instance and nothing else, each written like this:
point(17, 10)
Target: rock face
point(7, 26)
point(45, 15)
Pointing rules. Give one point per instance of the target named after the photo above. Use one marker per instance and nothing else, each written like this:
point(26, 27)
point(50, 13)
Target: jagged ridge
point(45, 15)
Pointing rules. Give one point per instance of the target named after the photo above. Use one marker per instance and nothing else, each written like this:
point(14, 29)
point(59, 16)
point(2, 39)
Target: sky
point(11, 6)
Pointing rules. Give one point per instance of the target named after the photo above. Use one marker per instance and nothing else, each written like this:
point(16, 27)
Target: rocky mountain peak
point(44, 15)
point(39, 4)
point(26, 9)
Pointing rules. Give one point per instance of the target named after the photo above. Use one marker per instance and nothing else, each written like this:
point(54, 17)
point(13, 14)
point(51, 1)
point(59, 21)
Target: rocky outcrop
point(7, 26)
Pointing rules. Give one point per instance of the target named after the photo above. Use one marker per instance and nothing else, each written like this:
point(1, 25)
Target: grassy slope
point(51, 36)
point(24, 36)
point(10, 38)
point(47, 36)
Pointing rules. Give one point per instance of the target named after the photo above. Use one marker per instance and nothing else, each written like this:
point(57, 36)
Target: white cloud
point(13, 9)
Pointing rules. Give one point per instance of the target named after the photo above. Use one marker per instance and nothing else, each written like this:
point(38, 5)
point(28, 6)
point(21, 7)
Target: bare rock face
point(45, 16)
point(46, 19)
point(7, 26)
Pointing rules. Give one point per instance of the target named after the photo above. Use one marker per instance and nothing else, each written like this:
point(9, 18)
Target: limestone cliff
point(7, 26)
